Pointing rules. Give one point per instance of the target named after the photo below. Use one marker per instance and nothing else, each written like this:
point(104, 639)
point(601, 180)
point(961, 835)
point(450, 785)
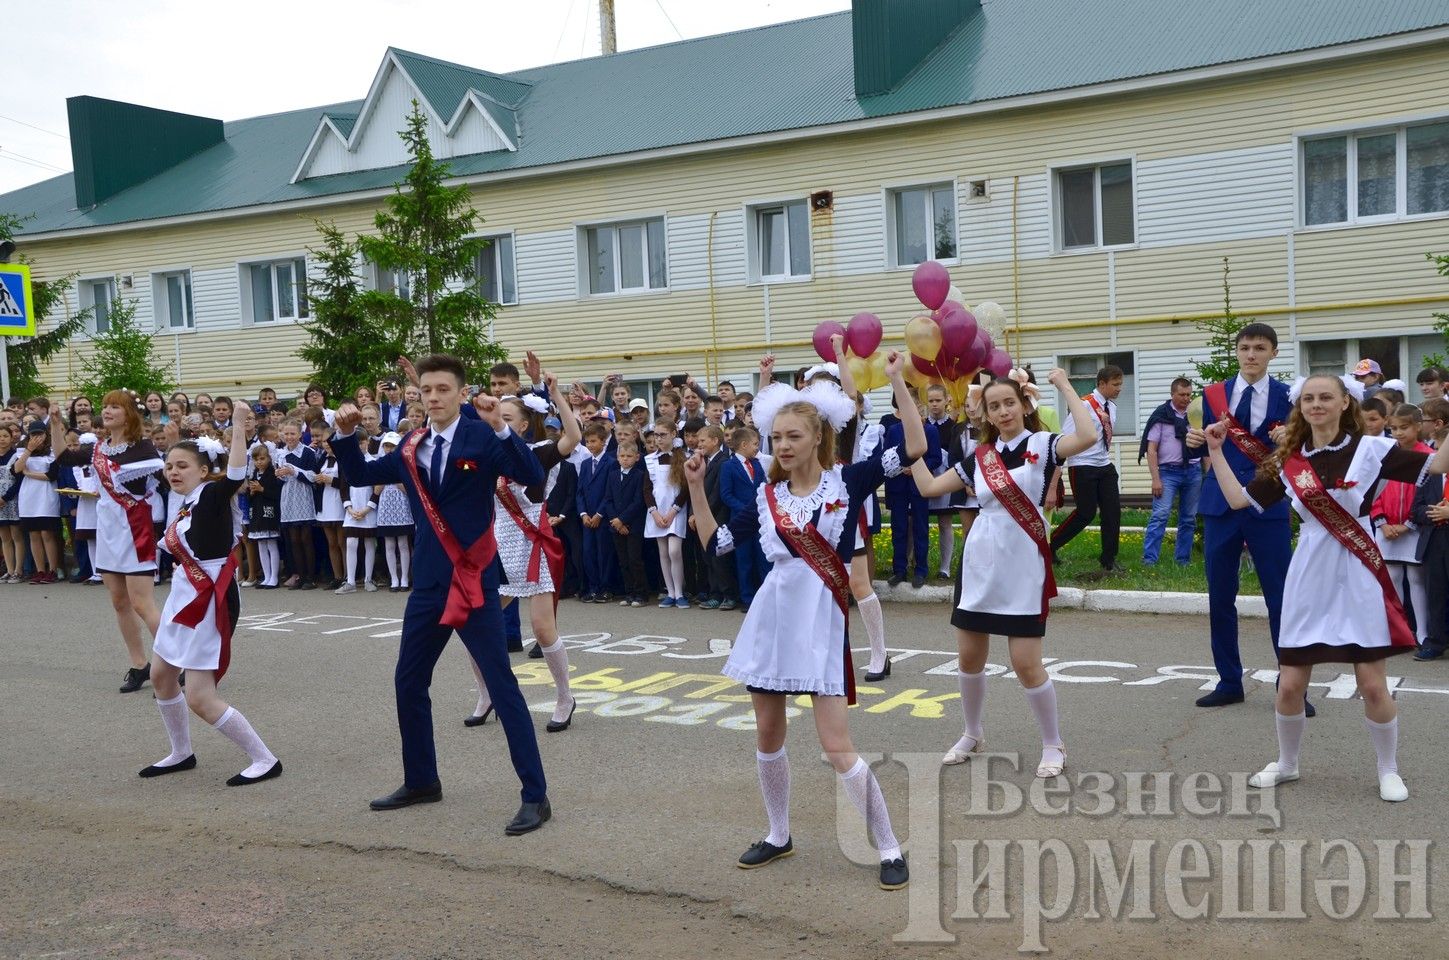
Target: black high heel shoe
point(556, 726)
point(478, 721)
point(874, 677)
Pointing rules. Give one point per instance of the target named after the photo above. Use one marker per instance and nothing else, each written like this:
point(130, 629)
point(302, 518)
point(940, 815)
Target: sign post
point(17, 314)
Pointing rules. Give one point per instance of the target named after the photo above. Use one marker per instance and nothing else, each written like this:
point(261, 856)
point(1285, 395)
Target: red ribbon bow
point(837, 505)
point(465, 464)
point(1345, 484)
point(1031, 457)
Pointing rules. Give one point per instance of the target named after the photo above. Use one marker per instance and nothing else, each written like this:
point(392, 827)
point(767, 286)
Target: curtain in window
point(1378, 158)
point(507, 293)
point(178, 301)
point(1427, 147)
point(1117, 222)
point(799, 239)
point(658, 256)
point(262, 293)
point(1325, 180)
point(601, 260)
point(911, 228)
point(1079, 218)
point(101, 306)
point(631, 257)
point(772, 243)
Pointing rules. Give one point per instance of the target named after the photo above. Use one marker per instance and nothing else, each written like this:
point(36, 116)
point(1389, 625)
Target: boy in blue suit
point(457, 461)
point(910, 512)
point(624, 513)
point(740, 476)
point(1259, 405)
point(593, 491)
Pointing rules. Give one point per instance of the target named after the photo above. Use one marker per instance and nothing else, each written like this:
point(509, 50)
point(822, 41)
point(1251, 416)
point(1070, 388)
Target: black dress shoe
point(918, 581)
point(1309, 710)
point(897, 579)
point(477, 720)
point(515, 645)
point(307, 585)
point(873, 677)
point(537, 652)
point(241, 780)
point(405, 796)
point(554, 726)
point(893, 874)
point(530, 817)
point(135, 678)
point(763, 852)
point(154, 771)
point(1220, 698)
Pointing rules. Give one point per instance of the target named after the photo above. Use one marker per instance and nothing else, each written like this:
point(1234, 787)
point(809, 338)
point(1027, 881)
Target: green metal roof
point(769, 79)
point(344, 122)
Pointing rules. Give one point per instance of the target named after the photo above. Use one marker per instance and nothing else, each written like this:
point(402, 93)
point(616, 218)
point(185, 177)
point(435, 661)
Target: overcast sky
point(239, 60)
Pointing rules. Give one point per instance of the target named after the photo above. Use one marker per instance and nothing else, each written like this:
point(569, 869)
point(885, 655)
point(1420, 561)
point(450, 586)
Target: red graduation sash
point(465, 592)
point(542, 536)
point(138, 511)
point(209, 592)
point(1346, 529)
point(1216, 396)
point(1001, 484)
point(808, 544)
point(1102, 417)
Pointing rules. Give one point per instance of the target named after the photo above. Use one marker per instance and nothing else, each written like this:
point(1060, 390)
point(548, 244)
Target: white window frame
point(1353, 352)
point(161, 301)
point(581, 234)
point(1397, 126)
point(493, 251)
point(888, 202)
point(1054, 173)
point(244, 281)
point(85, 297)
point(754, 248)
point(1124, 431)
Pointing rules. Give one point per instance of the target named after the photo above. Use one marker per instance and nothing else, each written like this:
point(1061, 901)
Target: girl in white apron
point(1339, 605)
point(1005, 581)
point(202, 608)
point(793, 641)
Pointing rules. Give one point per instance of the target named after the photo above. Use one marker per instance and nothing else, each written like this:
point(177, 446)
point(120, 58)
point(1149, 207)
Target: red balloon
point(958, 329)
point(821, 339)
point(979, 350)
point(932, 284)
point(928, 367)
point(999, 363)
point(863, 334)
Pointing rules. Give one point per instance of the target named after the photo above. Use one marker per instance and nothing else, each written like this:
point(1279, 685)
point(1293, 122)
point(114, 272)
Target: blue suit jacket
point(894, 435)
point(736, 488)
point(1212, 502)
point(594, 484)
point(466, 500)
point(625, 496)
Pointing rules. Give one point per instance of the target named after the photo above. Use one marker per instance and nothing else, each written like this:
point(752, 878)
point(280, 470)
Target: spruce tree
point(346, 346)
point(1221, 335)
point(121, 358)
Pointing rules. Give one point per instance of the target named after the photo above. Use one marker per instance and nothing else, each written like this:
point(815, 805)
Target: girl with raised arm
point(793, 641)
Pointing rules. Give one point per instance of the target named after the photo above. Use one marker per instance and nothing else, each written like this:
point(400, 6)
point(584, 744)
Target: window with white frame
point(1095, 206)
point(624, 257)
point(1399, 357)
point(98, 295)
point(922, 224)
point(171, 300)
point(1082, 371)
point(780, 241)
point(493, 270)
point(1374, 175)
point(277, 290)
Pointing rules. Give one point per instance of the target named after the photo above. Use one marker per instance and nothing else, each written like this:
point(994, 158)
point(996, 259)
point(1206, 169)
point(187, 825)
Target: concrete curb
point(1073, 598)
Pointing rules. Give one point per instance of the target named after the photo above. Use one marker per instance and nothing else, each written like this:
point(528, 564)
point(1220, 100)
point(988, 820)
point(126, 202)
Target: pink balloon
point(932, 284)
point(863, 334)
point(958, 329)
point(999, 363)
point(821, 339)
point(927, 367)
point(978, 351)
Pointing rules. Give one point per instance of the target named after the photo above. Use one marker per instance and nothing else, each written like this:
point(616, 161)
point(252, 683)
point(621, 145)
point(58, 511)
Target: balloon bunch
point(951, 344)
point(862, 339)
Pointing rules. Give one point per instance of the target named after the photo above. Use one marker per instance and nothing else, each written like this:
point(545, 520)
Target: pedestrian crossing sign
point(17, 313)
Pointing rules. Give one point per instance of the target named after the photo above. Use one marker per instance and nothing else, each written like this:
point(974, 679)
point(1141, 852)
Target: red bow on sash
point(819, 555)
point(1346, 529)
point(465, 592)
point(209, 592)
point(999, 481)
point(1216, 397)
point(138, 512)
point(543, 537)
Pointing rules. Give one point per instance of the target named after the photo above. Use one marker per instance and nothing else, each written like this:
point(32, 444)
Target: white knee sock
point(774, 770)
point(176, 716)
point(948, 541)
point(352, 561)
point(235, 728)
point(973, 705)
point(557, 659)
point(1290, 740)
point(484, 700)
point(1043, 700)
point(369, 558)
point(271, 557)
point(404, 559)
point(870, 612)
point(1419, 600)
point(864, 791)
point(676, 562)
point(1386, 744)
point(389, 553)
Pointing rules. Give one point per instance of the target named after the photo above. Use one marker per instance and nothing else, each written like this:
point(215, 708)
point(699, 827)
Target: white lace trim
point(816, 685)
point(111, 450)
point(724, 541)
point(802, 509)
point(1330, 448)
point(890, 462)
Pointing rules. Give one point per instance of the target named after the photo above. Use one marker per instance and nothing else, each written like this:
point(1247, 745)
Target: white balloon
point(991, 315)
point(955, 294)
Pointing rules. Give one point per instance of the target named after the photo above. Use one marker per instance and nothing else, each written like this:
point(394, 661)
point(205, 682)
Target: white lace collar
point(114, 449)
point(830, 489)
point(1329, 448)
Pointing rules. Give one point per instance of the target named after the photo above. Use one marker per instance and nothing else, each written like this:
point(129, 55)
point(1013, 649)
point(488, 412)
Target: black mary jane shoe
point(135, 678)
point(536, 651)
point(894, 874)
point(406, 796)
point(530, 817)
point(555, 726)
point(241, 779)
point(477, 720)
point(154, 771)
point(762, 853)
point(876, 677)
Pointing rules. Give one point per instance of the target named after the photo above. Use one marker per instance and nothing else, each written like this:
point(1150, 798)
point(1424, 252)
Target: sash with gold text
point(999, 481)
point(1251, 447)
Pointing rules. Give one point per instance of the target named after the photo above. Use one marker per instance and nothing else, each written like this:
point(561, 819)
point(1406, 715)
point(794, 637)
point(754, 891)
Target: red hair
point(126, 400)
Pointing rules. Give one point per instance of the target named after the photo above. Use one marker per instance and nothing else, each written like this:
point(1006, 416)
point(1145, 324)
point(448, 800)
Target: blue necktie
point(1244, 412)
point(435, 470)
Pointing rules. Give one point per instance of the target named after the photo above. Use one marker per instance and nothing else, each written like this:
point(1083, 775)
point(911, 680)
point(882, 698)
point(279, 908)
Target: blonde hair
point(824, 446)
point(1299, 431)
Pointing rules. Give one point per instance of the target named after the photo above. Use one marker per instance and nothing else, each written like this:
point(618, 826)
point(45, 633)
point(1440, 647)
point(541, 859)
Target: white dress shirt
point(425, 449)
point(1097, 455)
point(1260, 400)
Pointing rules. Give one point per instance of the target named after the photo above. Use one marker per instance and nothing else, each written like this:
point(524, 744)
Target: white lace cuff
point(890, 462)
point(724, 541)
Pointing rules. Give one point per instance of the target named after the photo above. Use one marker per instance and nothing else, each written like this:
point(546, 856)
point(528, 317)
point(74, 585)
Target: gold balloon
point(859, 371)
point(878, 375)
point(1194, 413)
point(923, 337)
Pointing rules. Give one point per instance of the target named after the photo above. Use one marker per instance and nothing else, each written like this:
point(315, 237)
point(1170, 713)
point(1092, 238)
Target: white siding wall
point(857, 240)
point(547, 268)
point(729, 248)
point(985, 225)
point(474, 134)
point(379, 145)
point(1210, 197)
point(216, 299)
point(688, 246)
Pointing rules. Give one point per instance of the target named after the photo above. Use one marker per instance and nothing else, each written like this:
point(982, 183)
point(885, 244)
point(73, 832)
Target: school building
point(684, 208)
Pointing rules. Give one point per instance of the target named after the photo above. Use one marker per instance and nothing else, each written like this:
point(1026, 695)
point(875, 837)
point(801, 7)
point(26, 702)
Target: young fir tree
point(346, 347)
point(24, 355)
point(426, 238)
point(121, 358)
point(1221, 335)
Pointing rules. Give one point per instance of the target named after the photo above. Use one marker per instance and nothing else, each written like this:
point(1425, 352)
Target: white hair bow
point(1350, 384)
point(212, 448)
point(534, 402)
point(827, 398)
point(1023, 379)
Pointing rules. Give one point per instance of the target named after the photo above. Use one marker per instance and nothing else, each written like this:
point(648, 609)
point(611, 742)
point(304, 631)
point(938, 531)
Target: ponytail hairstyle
point(1030, 417)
